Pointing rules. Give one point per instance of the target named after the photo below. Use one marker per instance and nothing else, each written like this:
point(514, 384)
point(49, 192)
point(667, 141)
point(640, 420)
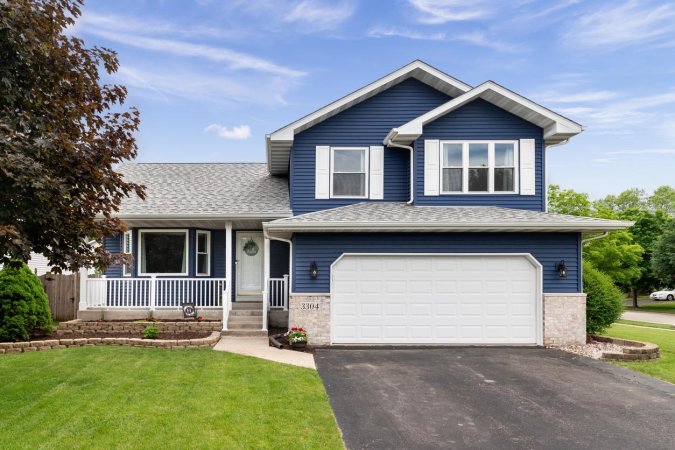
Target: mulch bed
point(171, 335)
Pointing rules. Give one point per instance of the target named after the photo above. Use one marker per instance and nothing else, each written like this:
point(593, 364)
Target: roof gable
point(557, 128)
point(279, 143)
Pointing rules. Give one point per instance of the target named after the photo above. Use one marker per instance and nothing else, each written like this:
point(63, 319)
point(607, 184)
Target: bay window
point(478, 167)
point(163, 252)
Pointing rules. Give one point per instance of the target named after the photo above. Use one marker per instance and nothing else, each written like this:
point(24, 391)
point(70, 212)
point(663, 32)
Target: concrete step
point(245, 333)
point(244, 326)
point(245, 312)
point(245, 319)
point(246, 305)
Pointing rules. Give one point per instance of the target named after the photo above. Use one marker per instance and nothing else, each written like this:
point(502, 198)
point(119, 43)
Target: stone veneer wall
point(564, 319)
point(315, 321)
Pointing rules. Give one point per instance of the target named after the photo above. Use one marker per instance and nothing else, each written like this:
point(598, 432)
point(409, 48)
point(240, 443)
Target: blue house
point(411, 211)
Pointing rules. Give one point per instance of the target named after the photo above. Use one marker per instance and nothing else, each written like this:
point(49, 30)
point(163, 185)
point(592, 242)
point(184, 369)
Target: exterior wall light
point(313, 270)
point(562, 269)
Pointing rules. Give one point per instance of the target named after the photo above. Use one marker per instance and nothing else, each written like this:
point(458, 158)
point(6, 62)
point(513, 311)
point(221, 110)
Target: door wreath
point(251, 248)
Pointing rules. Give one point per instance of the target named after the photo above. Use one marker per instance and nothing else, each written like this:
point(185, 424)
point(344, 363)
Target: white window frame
point(185, 231)
point(491, 167)
point(366, 152)
point(207, 253)
point(127, 244)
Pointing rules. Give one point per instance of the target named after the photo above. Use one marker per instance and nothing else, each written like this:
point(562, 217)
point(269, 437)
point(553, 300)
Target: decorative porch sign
point(311, 306)
point(188, 310)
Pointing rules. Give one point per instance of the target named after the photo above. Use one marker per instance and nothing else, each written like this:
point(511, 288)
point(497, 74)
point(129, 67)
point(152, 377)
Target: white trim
point(539, 300)
point(322, 172)
point(207, 253)
point(376, 171)
point(366, 172)
point(238, 250)
point(491, 167)
point(164, 230)
point(556, 127)
point(528, 167)
point(431, 167)
point(281, 140)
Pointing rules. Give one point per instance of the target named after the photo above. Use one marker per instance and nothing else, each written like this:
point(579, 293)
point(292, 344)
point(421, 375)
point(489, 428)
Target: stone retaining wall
point(32, 346)
point(634, 351)
point(81, 326)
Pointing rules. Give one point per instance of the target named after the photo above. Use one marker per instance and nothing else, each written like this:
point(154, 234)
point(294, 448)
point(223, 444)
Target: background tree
point(61, 134)
point(629, 199)
point(663, 199)
point(618, 256)
point(568, 201)
point(663, 258)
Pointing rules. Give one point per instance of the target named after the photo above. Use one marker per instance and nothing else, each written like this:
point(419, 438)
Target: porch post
point(266, 278)
point(82, 301)
point(228, 273)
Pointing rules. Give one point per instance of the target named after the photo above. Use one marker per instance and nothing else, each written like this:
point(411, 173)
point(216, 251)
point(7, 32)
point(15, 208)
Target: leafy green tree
point(629, 199)
point(618, 256)
point(61, 134)
point(604, 301)
point(24, 308)
point(568, 201)
point(663, 258)
point(663, 199)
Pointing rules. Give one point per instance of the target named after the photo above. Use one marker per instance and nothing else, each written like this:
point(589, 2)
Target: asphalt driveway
point(493, 398)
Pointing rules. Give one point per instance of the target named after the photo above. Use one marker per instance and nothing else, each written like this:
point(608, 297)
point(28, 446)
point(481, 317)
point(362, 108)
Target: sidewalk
point(668, 319)
point(259, 347)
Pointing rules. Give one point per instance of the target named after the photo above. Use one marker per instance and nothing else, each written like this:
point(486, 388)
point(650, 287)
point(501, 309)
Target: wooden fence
point(63, 292)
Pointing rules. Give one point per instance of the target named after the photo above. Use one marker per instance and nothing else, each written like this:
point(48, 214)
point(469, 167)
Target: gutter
point(201, 216)
point(388, 141)
point(587, 240)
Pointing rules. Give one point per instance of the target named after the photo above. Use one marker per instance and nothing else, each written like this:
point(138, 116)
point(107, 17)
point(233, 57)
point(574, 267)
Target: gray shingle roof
point(401, 216)
point(222, 189)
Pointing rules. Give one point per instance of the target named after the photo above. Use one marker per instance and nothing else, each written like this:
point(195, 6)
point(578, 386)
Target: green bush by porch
point(24, 308)
point(103, 398)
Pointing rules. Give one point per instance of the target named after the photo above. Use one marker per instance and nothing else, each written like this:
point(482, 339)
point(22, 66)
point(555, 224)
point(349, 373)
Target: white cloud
point(436, 12)
point(602, 160)
point(240, 132)
point(236, 60)
point(479, 39)
point(652, 151)
point(322, 15)
point(631, 22)
point(580, 97)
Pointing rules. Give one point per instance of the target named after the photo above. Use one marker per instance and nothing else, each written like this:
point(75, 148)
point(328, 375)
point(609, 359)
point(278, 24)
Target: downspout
point(603, 235)
point(389, 143)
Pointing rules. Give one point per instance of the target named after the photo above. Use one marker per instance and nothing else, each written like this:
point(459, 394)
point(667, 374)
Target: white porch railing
point(277, 293)
point(154, 292)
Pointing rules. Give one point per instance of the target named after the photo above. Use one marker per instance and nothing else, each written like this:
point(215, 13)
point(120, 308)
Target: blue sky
point(212, 77)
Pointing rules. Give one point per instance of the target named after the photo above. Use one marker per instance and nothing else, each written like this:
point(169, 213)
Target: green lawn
point(124, 398)
point(660, 307)
point(646, 324)
point(663, 368)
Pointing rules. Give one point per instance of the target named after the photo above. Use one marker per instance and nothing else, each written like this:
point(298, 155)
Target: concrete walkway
point(644, 316)
point(259, 347)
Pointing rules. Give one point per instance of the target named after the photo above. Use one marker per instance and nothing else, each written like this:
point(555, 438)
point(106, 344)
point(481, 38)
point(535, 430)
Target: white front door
point(431, 299)
point(250, 260)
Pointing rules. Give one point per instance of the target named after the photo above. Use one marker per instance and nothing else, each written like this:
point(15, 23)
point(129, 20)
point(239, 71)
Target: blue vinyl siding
point(279, 254)
point(362, 125)
point(547, 248)
point(113, 244)
point(481, 120)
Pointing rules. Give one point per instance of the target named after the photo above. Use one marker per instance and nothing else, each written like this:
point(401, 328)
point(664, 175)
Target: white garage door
point(418, 299)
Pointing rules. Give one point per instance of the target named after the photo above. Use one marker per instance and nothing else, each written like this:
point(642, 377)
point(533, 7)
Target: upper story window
point(478, 167)
point(163, 252)
point(349, 172)
point(203, 253)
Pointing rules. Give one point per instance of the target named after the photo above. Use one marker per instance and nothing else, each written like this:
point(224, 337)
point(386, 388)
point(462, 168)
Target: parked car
point(665, 294)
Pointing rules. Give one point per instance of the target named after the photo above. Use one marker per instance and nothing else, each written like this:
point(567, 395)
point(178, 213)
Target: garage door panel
point(434, 299)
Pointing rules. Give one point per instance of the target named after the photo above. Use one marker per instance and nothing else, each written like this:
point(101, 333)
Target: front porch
point(228, 271)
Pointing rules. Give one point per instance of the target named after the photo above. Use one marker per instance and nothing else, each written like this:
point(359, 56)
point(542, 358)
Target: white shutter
point(127, 247)
point(527, 167)
point(376, 173)
point(431, 166)
point(322, 182)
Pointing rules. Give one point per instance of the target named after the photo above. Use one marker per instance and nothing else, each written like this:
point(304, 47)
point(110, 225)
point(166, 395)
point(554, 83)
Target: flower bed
point(48, 344)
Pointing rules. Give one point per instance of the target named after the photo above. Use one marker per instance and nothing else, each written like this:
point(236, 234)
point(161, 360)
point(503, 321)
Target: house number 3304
point(308, 305)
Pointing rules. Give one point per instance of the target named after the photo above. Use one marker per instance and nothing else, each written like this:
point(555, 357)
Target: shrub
point(24, 308)
point(604, 302)
point(151, 333)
